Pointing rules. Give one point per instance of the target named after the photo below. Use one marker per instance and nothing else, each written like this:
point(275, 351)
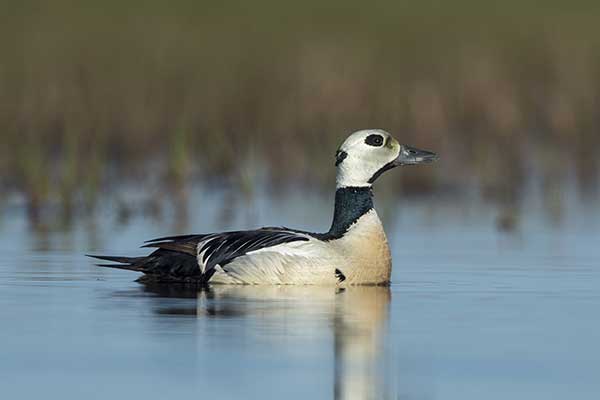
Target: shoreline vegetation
point(169, 95)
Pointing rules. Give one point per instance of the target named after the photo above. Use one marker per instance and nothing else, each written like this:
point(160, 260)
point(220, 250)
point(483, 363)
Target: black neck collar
point(351, 203)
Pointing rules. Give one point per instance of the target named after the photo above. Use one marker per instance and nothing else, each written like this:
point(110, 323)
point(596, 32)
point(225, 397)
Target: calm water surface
point(472, 314)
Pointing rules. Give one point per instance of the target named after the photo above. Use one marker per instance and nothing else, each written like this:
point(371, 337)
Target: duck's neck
point(350, 204)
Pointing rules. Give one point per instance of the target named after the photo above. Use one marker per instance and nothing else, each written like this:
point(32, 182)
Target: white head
point(366, 154)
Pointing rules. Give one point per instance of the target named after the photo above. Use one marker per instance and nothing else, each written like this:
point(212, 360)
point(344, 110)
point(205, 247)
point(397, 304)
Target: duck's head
point(366, 154)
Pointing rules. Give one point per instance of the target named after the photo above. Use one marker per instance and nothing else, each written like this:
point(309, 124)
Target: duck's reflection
point(357, 315)
point(360, 318)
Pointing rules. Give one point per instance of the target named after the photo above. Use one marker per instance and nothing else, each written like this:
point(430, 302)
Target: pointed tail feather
point(129, 263)
point(162, 265)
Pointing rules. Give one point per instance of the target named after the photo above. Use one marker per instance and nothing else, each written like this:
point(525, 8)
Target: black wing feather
point(176, 256)
point(236, 244)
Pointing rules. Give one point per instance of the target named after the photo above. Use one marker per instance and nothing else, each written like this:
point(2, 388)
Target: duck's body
point(354, 251)
point(361, 257)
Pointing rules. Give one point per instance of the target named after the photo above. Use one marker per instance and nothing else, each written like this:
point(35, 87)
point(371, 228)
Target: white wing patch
point(222, 248)
point(302, 262)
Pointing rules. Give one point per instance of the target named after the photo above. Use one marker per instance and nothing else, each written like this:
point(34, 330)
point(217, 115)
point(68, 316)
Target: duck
point(354, 251)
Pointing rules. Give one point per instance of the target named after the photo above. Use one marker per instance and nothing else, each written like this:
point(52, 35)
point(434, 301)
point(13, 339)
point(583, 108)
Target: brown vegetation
point(165, 94)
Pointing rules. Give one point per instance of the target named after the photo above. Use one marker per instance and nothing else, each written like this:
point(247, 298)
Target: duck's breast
point(366, 254)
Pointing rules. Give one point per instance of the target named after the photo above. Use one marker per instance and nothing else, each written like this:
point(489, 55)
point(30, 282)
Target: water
point(472, 313)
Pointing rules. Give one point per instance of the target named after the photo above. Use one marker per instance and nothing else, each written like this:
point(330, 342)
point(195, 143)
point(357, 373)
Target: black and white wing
point(220, 249)
point(256, 256)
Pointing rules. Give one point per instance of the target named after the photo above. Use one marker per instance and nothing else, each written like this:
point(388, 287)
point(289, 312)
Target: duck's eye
point(374, 140)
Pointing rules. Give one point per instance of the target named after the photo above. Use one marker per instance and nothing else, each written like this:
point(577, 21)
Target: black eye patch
point(339, 157)
point(374, 140)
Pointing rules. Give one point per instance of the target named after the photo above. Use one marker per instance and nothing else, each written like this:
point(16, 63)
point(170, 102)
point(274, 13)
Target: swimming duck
point(354, 251)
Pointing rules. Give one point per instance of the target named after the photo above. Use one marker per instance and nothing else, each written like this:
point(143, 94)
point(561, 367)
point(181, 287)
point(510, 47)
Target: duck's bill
point(412, 156)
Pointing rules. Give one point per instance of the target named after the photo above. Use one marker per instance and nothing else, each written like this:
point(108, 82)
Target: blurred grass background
point(162, 95)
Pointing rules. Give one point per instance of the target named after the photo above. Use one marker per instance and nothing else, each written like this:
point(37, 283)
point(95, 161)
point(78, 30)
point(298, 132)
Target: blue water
point(472, 313)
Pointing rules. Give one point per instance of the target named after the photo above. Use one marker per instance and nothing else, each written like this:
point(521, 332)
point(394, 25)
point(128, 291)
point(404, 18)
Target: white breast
point(367, 258)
